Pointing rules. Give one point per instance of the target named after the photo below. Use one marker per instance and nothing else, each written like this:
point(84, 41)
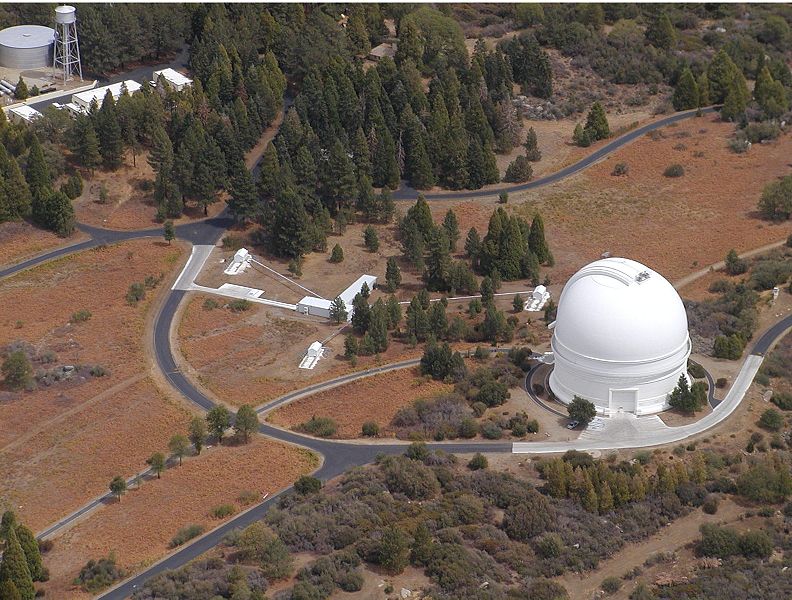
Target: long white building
point(320, 307)
point(620, 338)
point(81, 102)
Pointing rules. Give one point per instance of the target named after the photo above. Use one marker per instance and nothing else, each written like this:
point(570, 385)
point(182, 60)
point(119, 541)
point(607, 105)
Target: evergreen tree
point(412, 241)
point(56, 213)
point(702, 85)
point(371, 239)
point(86, 143)
point(289, 229)
point(14, 567)
point(337, 255)
point(472, 244)
point(417, 321)
point(418, 167)
point(495, 328)
point(661, 33)
point(581, 136)
point(519, 170)
point(597, 123)
point(451, 226)
point(15, 197)
point(438, 263)
point(721, 73)
point(735, 104)
point(394, 312)
point(38, 178)
point(111, 146)
point(361, 313)
point(361, 154)
point(21, 92)
point(339, 183)
point(536, 241)
point(770, 95)
point(421, 215)
point(385, 168)
point(686, 93)
point(161, 152)
point(476, 167)
point(243, 201)
point(31, 550)
point(8, 591)
point(269, 181)
point(532, 151)
point(491, 173)
point(392, 274)
point(378, 327)
point(438, 320)
point(338, 311)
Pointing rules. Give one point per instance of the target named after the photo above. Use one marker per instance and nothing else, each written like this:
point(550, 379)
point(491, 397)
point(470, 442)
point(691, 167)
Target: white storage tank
point(620, 338)
point(26, 47)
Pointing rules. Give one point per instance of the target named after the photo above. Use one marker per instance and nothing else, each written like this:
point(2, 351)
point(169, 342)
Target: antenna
point(67, 49)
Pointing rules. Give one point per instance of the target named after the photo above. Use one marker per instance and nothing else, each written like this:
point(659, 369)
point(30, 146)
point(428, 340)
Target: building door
point(623, 401)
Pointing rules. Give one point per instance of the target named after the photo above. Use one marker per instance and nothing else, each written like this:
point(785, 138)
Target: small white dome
point(620, 332)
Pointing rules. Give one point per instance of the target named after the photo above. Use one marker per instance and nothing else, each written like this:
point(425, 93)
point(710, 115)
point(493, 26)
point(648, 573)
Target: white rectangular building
point(83, 100)
point(320, 307)
point(23, 114)
point(173, 78)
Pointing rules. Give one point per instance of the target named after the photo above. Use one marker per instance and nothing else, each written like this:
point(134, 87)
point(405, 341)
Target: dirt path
point(108, 393)
point(675, 535)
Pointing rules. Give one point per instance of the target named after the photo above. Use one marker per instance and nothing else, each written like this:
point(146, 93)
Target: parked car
point(573, 424)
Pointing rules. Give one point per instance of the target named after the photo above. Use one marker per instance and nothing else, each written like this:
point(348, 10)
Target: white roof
point(26, 112)
point(99, 93)
point(348, 295)
point(315, 302)
point(27, 36)
point(172, 76)
point(619, 310)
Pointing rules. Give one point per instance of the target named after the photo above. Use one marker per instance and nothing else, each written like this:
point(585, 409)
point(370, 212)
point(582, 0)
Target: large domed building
point(620, 338)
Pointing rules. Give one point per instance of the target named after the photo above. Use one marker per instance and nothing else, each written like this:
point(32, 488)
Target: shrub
point(675, 170)
point(491, 431)
point(222, 511)
point(81, 316)
point(370, 429)
point(73, 187)
point(98, 371)
point(479, 461)
point(519, 170)
point(135, 293)
point(721, 382)
point(337, 254)
point(720, 542)
point(210, 304)
point(239, 305)
point(782, 400)
point(98, 574)
point(246, 497)
point(771, 419)
point(185, 534)
point(307, 485)
point(620, 169)
point(319, 426)
point(611, 585)
point(696, 370)
point(17, 370)
point(710, 505)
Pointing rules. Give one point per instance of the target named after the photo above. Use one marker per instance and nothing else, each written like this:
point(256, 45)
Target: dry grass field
point(139, 528)
point(20, 240)
point(62, 443)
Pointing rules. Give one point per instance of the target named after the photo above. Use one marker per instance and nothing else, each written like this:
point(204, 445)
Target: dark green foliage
point(674, 170)
point(686, 92)
point(218, 419)
point(661, 33)
point(766, 481)
point(319, 426)
point(185, 534)
point(532, 151)
point(771, 419)
point(687, 399)
point(581, 410)
point(724, 542)
point(17, 370)
point(479, 461)
point(306, 485)
point(734, 264)
point(439, 362)
point(611, 585)
point(258, 544)
point(14, 565)
point(21, 92)
point(370, 429)
point(371, 239)
point(530, 65)
point(169, 231)
point(451, 227)
point(338, 311)
point(337, 255)
point(31, 551)
point(529, 518)
point(581, 137)
point(246, 422)
point(98, 574)
point(73, 187)
point(782, 400)
point(392, 275)
point(776, 201)
point(518, 171)
point(730, 347)
point(597, 123)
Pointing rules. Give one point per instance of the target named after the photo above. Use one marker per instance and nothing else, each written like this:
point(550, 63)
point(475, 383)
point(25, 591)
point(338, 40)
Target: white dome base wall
point(620, 339)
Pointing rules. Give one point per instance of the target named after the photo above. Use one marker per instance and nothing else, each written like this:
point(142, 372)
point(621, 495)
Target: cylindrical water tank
point(26, 47)
point(8, 84)
point(65, 14)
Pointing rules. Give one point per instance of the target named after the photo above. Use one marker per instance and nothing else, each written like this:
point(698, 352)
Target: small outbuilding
point(377, 53)
point(319, 307)
point(23, 114)
point(172, 78)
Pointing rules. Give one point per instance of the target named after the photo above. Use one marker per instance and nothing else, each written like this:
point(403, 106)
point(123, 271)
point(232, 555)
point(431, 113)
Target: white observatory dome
point(620, 338)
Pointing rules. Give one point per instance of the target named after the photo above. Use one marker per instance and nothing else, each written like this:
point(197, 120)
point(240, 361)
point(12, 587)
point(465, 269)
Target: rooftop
point(85, 98)
point(26, 112)
point(172, 76)
point(27, 36)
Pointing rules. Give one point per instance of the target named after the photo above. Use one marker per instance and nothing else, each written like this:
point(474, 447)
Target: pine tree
point(15, 197)
point(597, 123)
point(537, 242)
point(269, 181)
point(337, 255)
point(371, 239)
point(394, 312)
point(417, 321)
point(288, 229)
point(361, 313)
point(451, 226)
point(339, 182)
point(588, 499)
point(378, 327)
point(361, 153)
point(14, 567)
point(661, 33)
point(412, 241)
point(491, 173)
point(38, 179)
point(385, 169)
point(519, 170)
point(418, 167)
point(161, 152)
point(21, 92)
point(31, 550)
point(476, 167)
point(243, 201)
point(472, 244)
point(721, 73)
point(57, 214)
point(532, 151)
point(702, 84)
point(8, 591)
point(735, 105)
point(392, 274)
point(605, 498)
point(86, 143)
point(421, 215)
point(111, 146)
point(438, 263)
point(581, 137)
point(686, 93)
point(338, 311)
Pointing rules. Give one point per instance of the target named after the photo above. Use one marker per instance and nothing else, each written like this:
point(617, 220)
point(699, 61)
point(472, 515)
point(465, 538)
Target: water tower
point(67, 50)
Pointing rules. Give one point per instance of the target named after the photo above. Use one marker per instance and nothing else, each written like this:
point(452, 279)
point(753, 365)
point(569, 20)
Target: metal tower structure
point(67, 49)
